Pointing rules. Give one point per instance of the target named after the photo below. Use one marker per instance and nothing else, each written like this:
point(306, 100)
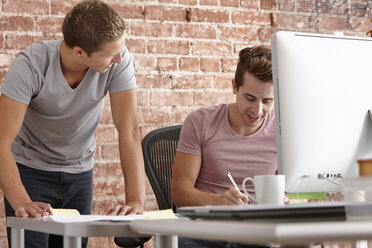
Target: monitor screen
point(323, 91)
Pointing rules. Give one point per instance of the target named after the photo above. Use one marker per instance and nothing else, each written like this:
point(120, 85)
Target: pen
point(232, 181)
point(45, 209)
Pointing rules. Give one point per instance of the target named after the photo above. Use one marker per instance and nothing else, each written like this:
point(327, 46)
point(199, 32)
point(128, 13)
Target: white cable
point(303, 177)
point(320, 176)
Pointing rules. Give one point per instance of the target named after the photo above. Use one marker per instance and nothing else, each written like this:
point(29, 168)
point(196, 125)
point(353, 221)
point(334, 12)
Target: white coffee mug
point(269, 189)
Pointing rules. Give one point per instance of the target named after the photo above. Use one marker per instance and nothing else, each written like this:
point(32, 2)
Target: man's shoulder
point(39, 55)
point(207, 117)
point(44, 45)
point(42, 49)
point(209, 111)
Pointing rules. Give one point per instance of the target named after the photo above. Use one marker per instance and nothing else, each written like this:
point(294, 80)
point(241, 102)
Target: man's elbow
point(176, 195)
point(130, 132)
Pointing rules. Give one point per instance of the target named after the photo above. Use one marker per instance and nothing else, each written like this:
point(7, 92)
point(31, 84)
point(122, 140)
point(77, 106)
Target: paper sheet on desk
point(150, 215)
point(90, 218)
point(64, 211)
point(160, 214)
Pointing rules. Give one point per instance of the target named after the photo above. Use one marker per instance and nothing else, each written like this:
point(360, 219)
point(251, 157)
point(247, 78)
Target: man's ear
point(78, 51)
point(235, 89)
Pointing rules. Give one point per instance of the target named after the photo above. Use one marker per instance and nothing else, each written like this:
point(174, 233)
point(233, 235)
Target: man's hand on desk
point(128, 208)
point(33, 209)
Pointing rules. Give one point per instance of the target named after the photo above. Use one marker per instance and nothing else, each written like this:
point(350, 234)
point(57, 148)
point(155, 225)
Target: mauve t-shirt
point(206, 132)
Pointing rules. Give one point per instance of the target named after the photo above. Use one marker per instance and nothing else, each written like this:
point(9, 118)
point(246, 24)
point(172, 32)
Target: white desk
point(166, 231)
point(71, 232)
point(291, 234)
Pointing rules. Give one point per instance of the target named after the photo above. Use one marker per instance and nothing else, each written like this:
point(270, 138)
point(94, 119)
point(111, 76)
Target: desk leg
point(162, 241)
point(17, 237)
point(71, 242)
point(360, 244)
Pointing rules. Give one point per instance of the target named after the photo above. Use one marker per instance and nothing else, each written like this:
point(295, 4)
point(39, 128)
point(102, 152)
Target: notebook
point(296, 212)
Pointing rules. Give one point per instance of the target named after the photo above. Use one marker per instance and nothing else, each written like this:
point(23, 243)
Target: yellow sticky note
point(160, 214)
point(64, 211)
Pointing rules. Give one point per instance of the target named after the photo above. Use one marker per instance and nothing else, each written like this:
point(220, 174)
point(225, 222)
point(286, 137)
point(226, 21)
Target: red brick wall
point(184, 54)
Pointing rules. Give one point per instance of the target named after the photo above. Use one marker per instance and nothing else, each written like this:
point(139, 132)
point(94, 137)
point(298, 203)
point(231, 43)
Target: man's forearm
point(190, 196)
point(10, 180)
point(133, 169)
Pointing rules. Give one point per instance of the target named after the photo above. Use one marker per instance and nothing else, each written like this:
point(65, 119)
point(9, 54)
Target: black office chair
point(159, 148)
point(131, 242)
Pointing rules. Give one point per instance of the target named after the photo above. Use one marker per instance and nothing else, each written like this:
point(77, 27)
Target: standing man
point(238, 138)
point(51, 103)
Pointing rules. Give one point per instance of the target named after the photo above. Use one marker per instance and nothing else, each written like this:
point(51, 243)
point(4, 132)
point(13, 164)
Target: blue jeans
point(198, 243)
point(60, 190)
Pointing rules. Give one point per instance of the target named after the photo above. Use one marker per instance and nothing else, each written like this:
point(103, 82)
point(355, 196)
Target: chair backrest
point(159, 148)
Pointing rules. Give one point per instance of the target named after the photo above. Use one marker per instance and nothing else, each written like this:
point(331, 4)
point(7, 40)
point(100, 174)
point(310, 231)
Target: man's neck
point(72, 69)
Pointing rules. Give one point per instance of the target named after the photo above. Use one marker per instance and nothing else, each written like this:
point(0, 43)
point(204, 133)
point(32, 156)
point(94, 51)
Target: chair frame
point(171, 133)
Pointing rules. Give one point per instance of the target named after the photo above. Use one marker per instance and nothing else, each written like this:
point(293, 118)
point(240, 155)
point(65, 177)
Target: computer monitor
point(323, 91)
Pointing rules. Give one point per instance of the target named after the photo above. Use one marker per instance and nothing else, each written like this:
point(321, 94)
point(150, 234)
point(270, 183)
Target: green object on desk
point(312, 196)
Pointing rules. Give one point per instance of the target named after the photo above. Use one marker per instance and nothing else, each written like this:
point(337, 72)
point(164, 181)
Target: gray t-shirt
point(57, 133)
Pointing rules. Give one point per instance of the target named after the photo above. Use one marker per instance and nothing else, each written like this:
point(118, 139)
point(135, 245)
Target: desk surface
point(258, 232)
point(240, 231)
point(85, 229)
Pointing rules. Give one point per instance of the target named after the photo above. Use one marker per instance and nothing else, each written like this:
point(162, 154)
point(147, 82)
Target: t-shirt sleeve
point(191, 135)
point(21, 80)
point(124, 75)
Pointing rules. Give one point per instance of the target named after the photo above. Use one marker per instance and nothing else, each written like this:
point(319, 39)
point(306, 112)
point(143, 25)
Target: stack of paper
point(64, 211)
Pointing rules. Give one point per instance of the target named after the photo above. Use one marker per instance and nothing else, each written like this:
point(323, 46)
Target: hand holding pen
point(242, 198)
point(32, 209)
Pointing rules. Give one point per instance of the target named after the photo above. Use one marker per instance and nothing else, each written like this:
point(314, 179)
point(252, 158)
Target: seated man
point(238, 138)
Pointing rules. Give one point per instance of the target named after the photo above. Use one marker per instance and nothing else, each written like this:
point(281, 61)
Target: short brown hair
point(90, 24)
point(255, 60)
